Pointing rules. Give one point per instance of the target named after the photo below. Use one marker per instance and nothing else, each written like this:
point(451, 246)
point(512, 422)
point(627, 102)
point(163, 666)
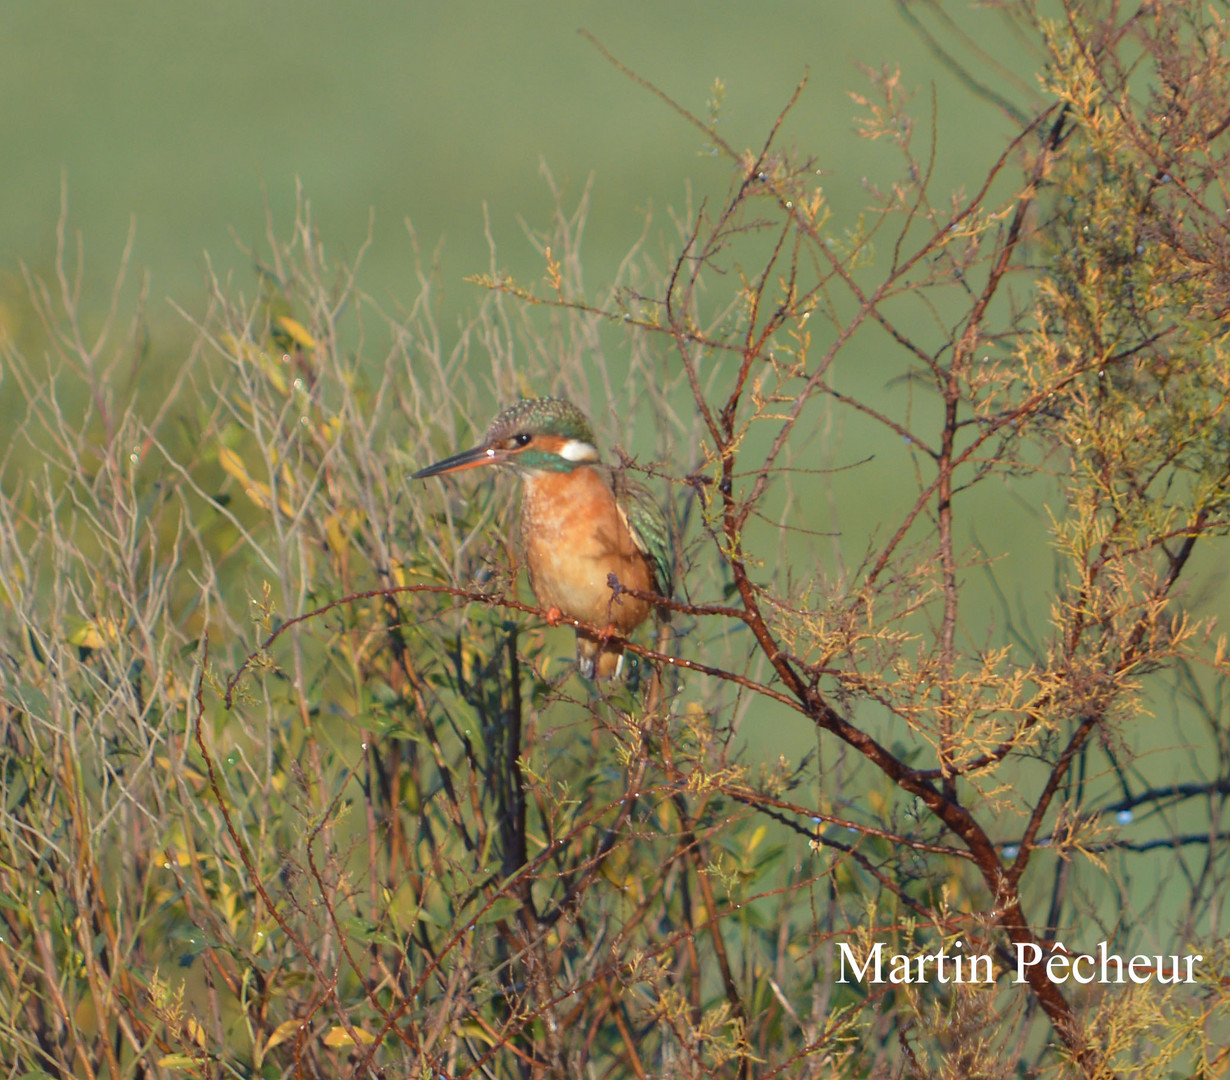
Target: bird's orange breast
point(574, 537)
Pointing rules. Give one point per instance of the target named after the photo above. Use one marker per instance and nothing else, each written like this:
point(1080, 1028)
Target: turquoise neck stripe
point(545, 461)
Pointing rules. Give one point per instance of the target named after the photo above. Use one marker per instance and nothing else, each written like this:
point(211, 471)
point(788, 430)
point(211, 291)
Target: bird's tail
point(598, 658)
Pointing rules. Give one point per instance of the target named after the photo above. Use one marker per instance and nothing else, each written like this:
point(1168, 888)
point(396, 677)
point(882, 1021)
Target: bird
point(581, 522)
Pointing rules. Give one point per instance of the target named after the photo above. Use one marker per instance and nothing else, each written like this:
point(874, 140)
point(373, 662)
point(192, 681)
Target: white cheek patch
point(578, 450)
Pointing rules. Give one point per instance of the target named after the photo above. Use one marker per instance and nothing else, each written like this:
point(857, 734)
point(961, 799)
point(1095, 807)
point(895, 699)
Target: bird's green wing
point(648, 527)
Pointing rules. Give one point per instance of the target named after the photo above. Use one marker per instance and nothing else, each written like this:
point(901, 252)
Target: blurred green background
point(200, 120)
point(192, 116)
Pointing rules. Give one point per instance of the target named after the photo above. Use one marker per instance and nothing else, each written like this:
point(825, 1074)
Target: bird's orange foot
point(554, 615)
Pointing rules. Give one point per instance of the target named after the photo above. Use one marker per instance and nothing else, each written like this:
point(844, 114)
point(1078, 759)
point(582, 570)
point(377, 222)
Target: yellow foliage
point(339, 1036)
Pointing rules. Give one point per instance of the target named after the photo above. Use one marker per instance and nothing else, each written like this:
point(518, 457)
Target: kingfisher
point(581, 522)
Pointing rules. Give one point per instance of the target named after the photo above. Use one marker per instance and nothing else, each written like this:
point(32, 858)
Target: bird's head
point(533, 436)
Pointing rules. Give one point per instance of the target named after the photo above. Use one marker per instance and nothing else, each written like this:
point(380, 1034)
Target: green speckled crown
point(541, 416)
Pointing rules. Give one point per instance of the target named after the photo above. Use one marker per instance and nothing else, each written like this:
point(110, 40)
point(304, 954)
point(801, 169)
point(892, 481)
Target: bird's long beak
point(467, 459)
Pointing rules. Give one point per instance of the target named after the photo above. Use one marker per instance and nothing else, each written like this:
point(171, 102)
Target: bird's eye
point(523, 439)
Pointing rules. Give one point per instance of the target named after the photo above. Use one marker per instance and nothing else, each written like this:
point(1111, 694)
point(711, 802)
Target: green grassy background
point(204, 121)
point(200, 120)
point(192, 116)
